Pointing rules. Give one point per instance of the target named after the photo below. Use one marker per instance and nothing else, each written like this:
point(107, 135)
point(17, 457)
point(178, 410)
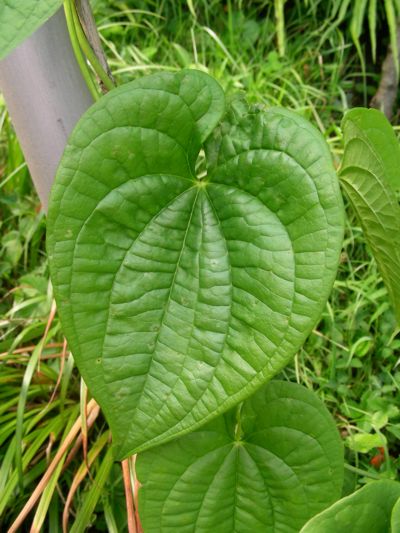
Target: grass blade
point(372, 26)
point(280, 26)
point(49, 472)
point(92, 496)
point(30, 369)
point(81, 473)
point(46, 498)
point(392, 23)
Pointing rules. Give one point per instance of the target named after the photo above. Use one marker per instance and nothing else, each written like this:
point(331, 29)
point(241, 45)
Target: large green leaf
point(366, 511)
point(267, 466)
point(20, 18)
point(179, 296)
point(370, 176)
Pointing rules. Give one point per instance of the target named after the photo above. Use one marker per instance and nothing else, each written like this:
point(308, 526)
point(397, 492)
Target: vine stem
point(129, 496)
point(88, 50)
point(81, 60)
point(363, 473)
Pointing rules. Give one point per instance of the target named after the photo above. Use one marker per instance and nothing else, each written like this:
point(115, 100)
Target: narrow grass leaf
point(46, 498)
point(30, 369)
point(280, 26)
point(109, 517)
point(392, 23)
point(91, 498)
point(81, 473)
point(6, 464)
point(71, 435)
point(372, 26)
point(356, 27)
point(66, 378)
point(55, 426)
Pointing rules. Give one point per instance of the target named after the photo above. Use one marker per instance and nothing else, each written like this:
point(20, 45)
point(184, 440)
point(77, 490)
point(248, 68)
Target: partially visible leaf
point(20, 18)
point(250, 32)
point(268, 466)
point(366, 511)
point(365, 442)
point(370, 176)
point(371, 128)
point(395, 519)
point(12, 247)
point(183, 56)
point(379, 420)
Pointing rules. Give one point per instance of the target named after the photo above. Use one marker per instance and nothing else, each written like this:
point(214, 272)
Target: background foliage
point(314, 56)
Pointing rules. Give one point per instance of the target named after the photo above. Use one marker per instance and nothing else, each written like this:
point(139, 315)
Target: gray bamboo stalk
point(45, 94)
point(386, 95)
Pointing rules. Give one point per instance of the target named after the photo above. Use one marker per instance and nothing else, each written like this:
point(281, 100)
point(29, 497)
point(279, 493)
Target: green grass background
point(317, 60)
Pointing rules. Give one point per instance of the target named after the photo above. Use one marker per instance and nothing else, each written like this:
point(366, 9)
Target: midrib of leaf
point(217, 471)
point(73, 317)
point(267, 490)
point(201, 190)
point(115, 129)
point(217, 450)
point(226, 458)
point(257, 376)
point(168, 302)
point(213, 461)
point(169, 204)
point(236, 450)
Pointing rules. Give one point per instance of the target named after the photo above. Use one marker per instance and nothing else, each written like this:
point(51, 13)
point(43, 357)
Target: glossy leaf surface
point(20, 18)
point(179, 296)
point(269, 466)
point(370, 176)
point(367, 510)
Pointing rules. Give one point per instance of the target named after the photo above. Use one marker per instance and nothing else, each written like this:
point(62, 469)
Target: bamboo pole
point(45, 94)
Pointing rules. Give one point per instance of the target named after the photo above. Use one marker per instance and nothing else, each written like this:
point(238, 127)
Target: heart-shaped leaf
point(269, 465)
point(180, 296)
point(370, 177)
point(366, 511)
point(20, 18)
